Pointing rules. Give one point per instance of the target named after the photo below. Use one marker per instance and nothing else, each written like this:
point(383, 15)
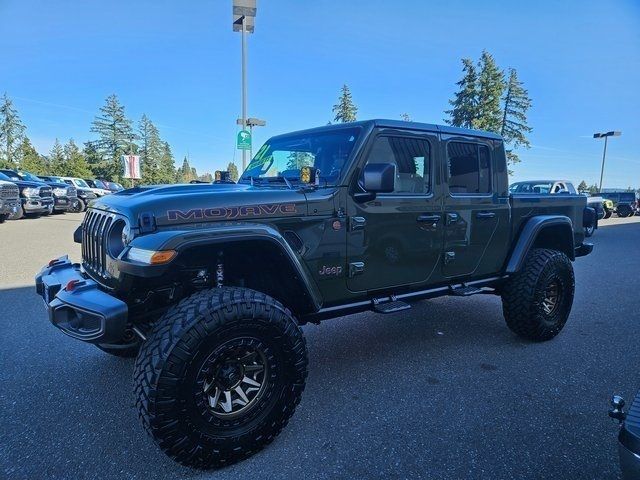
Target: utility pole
point(606, 136)
point(244, 13)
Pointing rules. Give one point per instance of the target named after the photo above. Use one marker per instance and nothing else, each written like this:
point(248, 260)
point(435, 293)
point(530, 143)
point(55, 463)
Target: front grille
point(72, 192)
point(95, 228)
point(9, 192)
point(45, 192)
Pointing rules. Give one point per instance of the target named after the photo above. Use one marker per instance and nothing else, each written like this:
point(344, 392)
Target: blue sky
point(179, 62)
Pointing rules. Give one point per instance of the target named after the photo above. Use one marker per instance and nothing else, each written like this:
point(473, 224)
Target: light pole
point(244, 14)
point(606, 135)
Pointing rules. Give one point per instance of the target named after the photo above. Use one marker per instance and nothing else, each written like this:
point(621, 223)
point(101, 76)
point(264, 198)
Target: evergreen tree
point(57, 161)
point(151, 150)
point(491, 85)
point(11, 133)
point(405, 117)
point(464, 111)
point(92, 157)
point(345, 110)
point(186, 173)
point(75, 161)
point(30, 160)
point(514, 127)
point(206, 177)
point(593, 189)
point(166, 165)
point(115, 138)
point(583, 187)
point(297, 160)
point(233, 171)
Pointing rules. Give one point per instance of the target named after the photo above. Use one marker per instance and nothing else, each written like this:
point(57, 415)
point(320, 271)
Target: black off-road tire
point(80, 207)
point(170, 398)
point(607, 213)
point(524, 293)
point(3, 217)
point(589, 231)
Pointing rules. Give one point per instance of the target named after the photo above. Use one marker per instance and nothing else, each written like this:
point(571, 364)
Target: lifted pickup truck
point(209, 283)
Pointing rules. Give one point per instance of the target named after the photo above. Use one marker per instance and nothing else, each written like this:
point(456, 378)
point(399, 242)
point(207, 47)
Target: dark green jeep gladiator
point(208, 284)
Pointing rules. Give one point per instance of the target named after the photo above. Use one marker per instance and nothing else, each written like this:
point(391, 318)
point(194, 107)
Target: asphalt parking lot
point(441, 391)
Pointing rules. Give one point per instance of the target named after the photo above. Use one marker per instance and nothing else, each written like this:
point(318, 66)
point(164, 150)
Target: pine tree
point(115, 138)
point(514, 127)
point(464, 111)
point(405, 117)
point(345, 110)
point(151, 150)
point(491, 85)
point(186, 173)
point(583, 187)
point(57, 161)
point(11, 133)
point(297, 160)
point(30, 160)
point(76, 163)
point(233, 171)
point(166, 165)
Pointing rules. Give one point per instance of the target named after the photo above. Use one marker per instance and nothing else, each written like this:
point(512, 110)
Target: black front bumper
point(629, 442)
point(62, 204)
point(78, 306)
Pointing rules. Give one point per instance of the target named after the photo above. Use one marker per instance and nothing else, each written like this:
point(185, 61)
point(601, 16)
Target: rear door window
point(469, 168)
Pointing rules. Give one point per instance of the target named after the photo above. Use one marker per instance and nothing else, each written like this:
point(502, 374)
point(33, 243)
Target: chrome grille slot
point(95, 236)
point(45, 192)
point(9, 191)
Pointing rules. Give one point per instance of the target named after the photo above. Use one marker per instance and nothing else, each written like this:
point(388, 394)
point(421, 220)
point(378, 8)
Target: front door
point(476, 218)
point(396, 239)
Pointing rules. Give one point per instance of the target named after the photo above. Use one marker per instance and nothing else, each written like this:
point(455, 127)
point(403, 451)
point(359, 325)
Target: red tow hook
point(71, 285)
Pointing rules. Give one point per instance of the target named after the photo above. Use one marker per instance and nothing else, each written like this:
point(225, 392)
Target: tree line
point(488, 98)
point(115, 135)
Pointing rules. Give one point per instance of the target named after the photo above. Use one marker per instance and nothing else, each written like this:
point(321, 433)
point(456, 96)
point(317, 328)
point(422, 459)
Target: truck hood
point(198, 203)
point(24, 184)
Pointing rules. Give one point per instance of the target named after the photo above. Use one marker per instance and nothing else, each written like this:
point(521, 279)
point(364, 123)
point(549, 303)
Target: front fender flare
point(530, 232)
point(221, 233)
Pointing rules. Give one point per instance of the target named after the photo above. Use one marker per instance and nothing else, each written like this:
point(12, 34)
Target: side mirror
point(379, 177)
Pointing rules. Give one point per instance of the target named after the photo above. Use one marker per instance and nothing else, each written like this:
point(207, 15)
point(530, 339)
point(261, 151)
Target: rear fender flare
point(562, 229)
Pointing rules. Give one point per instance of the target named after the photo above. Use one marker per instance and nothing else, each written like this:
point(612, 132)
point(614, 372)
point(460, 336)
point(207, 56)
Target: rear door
point(396, 239)
point(476, 207)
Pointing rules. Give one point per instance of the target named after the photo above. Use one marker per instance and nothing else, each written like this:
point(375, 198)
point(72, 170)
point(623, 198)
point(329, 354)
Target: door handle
point(483, 215)
point(429, 218)
point(452, 218)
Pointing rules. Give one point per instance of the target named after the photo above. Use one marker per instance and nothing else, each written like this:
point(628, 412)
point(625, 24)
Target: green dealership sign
point(244, 140)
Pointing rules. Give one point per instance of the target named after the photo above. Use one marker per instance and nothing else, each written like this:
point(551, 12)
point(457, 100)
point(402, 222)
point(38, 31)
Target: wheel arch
point(545, 231)
point(254, 256)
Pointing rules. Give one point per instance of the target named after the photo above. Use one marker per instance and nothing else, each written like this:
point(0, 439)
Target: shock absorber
point(220, 271)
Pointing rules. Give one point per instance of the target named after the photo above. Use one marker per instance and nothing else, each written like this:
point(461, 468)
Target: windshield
point(100, 184)
point(530, 187)
point(80, 183)
point(29, 177)
point(327, 151)
point(10, 174)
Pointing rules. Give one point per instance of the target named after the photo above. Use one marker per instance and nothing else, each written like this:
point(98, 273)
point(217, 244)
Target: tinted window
point(469, 171)
point(411, 156)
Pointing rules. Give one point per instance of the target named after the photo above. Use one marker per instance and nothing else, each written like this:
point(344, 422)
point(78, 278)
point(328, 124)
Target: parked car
point(628, 436)
point(625, 203)
point(36, 197)
point(64, 196)
point(608, 207)
point(9, 198)
point(80, 183)
point(113, 187)
point(208, 284)
point(98, 187)
point(543, 186)
point(83, 195)
point(558, 187)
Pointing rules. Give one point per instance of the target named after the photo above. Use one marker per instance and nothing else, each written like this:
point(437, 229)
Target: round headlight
point(116, 238)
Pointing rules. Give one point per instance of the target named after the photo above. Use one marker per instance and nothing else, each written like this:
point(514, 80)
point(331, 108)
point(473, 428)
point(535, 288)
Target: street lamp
point(606, 135)
point(244, 14)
